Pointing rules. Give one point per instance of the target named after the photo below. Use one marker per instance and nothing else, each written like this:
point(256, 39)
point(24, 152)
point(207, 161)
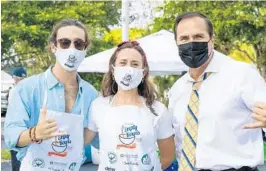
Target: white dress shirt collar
point(214, 66)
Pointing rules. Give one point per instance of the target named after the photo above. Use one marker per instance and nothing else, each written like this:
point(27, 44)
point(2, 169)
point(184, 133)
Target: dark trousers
point(15, 163)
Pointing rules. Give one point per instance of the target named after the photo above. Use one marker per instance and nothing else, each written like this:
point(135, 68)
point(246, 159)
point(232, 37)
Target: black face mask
point(194, 54)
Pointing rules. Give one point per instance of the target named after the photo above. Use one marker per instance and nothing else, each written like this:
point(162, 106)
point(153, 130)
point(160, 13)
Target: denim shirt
point(27, 99)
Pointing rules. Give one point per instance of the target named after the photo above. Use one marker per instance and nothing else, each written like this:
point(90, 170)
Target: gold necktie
point(188, 156)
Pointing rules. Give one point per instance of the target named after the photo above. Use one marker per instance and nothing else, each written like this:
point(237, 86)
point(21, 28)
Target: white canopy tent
point(6, 80)
point(160, 49)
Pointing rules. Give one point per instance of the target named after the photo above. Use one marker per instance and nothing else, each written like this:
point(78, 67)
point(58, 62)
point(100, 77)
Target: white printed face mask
point(128, 78)
point(70, 58)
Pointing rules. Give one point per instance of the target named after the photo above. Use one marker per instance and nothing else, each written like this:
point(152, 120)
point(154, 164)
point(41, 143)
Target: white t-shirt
point(129, 131)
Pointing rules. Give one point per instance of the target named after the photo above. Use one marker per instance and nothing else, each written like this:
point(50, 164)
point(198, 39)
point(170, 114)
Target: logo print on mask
point(112, 157)
point(38, 162)
point(126, 80)
point(71, 61)
point(60, 145)
point(128, 136)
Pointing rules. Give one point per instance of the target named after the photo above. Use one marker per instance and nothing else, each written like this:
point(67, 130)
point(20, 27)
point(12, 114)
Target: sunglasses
point(135, 43)
point(65, 43)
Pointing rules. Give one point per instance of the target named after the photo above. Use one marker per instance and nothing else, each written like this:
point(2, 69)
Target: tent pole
point(125, 20)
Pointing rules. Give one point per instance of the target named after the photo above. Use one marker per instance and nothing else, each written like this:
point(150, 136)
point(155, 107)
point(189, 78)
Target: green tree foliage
point(115, 35)
point(26, 26)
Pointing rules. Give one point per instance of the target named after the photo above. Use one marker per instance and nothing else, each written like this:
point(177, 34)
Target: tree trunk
point(260, 60)
point(263, 73)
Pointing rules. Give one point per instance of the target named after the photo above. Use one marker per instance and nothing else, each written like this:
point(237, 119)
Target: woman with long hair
point(130, 122)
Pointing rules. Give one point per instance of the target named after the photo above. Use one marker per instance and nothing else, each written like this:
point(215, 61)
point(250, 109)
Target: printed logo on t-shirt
point(38, 162)
point(146, 160)
point(72, 166)
point(128, 136)
point(109, 169)
point(132, 163)
point(112, 157)
point(60, 145)
point(57, 165)
point(129, 156)
point(129, 159)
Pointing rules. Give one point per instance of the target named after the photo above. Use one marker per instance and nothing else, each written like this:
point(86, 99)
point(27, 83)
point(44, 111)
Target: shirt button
point(60, 85)
point(61, 97)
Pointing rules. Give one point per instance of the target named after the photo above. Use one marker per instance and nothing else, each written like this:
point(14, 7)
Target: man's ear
point(52, 47)
point(213, 38)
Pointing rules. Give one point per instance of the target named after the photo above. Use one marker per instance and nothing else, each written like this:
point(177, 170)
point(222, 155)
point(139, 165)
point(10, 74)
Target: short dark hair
point(20, 72)
point(68, 22)
point(191, 15)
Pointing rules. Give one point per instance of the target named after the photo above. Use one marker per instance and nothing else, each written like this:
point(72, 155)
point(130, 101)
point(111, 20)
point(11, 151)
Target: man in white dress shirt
point(219, 106)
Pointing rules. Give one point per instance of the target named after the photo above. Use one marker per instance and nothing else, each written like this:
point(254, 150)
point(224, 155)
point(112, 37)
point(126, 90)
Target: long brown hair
point(145, 88)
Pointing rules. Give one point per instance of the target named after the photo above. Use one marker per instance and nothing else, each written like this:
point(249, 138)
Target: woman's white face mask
point(70, 58)
point(128, 78)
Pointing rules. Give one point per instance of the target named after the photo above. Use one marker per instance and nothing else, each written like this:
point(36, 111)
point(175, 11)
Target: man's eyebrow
point(198, 35)
point(183, 36)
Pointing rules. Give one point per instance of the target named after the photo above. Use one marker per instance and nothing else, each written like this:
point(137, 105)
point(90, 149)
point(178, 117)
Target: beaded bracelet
point(32, 135)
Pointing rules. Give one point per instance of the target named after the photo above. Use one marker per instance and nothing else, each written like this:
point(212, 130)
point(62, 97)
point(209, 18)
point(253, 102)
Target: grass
point(265, 151)
point(5, 155)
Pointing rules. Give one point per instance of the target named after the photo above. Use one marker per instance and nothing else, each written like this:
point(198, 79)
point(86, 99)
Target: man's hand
point(46, 128)
point(259, 114)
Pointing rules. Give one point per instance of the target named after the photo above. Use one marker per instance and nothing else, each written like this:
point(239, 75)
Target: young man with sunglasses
point(48, 112)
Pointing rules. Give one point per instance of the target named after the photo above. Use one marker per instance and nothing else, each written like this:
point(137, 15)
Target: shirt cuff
point(12, 137)
point(166, 135)
point(92, 127)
